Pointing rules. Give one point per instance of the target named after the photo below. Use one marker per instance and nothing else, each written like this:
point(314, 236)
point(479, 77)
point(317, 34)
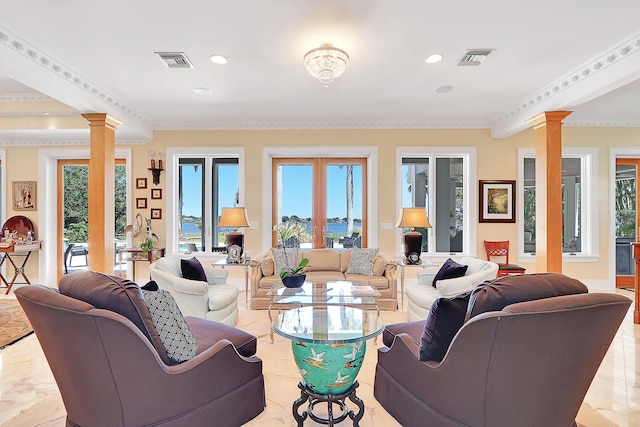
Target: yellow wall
point(496, 160)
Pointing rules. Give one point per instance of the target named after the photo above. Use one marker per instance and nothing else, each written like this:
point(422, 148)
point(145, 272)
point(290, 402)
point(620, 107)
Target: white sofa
point(421, 296)
point(214, 299)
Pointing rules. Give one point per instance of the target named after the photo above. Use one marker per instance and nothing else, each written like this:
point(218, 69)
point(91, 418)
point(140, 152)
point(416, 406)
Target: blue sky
point(297, 194)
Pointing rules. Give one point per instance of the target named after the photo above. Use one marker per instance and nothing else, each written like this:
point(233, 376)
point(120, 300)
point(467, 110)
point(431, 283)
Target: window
point(202, 184)
point(578, 202)
point(439, 180)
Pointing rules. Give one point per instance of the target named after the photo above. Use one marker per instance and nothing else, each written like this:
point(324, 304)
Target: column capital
point(547, 117)
point(102, 119)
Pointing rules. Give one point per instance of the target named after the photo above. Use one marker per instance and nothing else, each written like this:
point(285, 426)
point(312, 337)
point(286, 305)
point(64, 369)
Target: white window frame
point(174, 154)
point(468, 154)
point(588, 195)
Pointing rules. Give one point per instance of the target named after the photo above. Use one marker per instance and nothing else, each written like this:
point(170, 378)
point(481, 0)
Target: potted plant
point(147, 245)
point(292, 277)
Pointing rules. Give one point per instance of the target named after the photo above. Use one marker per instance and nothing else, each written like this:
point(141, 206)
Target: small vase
point(294, 281)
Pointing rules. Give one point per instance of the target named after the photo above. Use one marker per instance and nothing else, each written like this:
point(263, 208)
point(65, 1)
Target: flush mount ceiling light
point(433, 58)
point(202, 91)
point(326, 62)
point(218, 59)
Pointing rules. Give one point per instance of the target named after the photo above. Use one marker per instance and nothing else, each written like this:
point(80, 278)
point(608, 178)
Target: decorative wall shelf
point(156, 174)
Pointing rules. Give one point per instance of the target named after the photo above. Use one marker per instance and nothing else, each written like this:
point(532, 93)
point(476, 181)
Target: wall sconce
point(155, 171)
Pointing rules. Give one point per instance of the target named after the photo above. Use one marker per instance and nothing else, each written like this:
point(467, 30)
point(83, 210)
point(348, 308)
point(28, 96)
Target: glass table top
point(328, 324)
point(338, 293)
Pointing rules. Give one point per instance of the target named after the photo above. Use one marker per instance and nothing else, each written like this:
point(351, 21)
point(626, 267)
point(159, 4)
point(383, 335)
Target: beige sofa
point(325, 265)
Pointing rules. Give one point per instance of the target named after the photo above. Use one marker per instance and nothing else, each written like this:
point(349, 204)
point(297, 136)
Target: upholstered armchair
point(509, 364)
point(112, 370)
point(212, 298)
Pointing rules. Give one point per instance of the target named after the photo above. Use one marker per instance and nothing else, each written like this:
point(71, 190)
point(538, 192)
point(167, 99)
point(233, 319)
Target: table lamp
point(413, 217)
point(234, 218)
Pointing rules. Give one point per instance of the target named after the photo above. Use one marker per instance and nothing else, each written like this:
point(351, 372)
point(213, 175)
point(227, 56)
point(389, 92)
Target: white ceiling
point(579, 55)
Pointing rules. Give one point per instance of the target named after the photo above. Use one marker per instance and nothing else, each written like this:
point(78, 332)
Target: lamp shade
point(234, 217)
point(413, 217)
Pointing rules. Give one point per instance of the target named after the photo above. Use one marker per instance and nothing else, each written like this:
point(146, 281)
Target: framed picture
point(141, 183)
point(497, 201)
point(156, 193)
point(141, 202)
point(156, 213)
point(24, 195)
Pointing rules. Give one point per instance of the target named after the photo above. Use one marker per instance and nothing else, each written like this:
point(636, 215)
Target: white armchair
point(421, 296)
point(214, 299)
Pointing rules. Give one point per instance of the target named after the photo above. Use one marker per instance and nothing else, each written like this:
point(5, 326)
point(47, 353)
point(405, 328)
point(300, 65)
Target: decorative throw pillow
point(361, 261)
point(177, 338)
point(449, 270)
point(445, 319)
point(266, 265)
point(379, 266)
point(192, 269)
point(281, 261)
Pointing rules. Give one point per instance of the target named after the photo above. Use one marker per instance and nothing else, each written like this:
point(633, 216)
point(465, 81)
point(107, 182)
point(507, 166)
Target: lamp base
point(412, 247)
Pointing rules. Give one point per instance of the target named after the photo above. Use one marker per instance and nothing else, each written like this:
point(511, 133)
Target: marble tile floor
point(29, 396)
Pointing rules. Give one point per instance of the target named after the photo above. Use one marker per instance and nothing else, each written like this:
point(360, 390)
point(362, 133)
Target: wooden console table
point(17, 249)
point(636, 257)
point(134, 255)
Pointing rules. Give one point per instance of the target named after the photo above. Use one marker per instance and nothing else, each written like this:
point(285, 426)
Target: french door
point(627, 219)
point(327, 195)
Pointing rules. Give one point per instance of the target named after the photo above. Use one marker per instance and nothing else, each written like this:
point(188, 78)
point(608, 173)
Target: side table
point(403, 264)
point(134, 255)
point(245, 264)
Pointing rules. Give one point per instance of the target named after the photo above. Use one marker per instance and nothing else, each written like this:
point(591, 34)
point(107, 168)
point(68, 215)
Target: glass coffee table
point(328, 344)
point(338, 293)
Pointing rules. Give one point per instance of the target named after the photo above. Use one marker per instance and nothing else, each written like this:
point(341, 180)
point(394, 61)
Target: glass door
point(325, 197)
point(626, 220)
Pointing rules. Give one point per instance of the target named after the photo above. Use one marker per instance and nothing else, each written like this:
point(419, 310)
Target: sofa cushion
point(496, 294)
point(193, 270)
point(445, 318)
point(324, 276)
point(449, 270)
point(114, 294)
point(379, 266)
point(267, 267)
point(361, 261)
point(322, 260)
point(177, 338)
point(281, 261)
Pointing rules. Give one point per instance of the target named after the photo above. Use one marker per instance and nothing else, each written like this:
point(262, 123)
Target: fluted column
point(101, 191)
point(548, 134)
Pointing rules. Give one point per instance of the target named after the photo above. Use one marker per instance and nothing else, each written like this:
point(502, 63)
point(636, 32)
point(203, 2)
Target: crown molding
point(39, 142)
point(25, 97)
point(319, 126)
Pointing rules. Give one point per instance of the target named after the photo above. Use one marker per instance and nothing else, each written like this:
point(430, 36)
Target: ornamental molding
point(319, 126)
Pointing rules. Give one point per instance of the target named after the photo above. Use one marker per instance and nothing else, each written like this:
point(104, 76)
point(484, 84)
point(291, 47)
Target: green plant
point(284, 232)
point(147, 245)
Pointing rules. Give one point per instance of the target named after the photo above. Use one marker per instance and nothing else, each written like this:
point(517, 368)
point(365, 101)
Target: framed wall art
point(156, 193)
point(141, 183)
point(156, 213)
point(141, 202)
point(24, 195)
point(497, 201)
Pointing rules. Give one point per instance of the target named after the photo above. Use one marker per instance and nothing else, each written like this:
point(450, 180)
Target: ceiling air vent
point(474, 57)
point(175, 59)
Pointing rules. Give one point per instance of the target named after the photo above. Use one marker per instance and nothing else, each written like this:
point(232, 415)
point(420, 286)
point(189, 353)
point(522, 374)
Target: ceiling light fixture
point(326, 62)
point(202, 91)
point(433, 58)
point(218, 59)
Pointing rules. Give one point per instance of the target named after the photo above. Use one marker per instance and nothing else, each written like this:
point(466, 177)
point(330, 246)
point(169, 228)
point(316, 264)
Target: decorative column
point(548, 134)
point(101, 191)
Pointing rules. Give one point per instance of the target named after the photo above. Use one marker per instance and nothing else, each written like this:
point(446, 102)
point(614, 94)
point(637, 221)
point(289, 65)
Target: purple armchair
point(111, 370)
point(523, 364)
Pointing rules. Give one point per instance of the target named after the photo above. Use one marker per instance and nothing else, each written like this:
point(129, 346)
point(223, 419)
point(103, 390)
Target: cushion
point(496, 294)
point(379, 266)
point(361, 261)
point(322, 260)
point(192, 269)
point(281, 261)
point(449, 270)
point(445, 319)
point(177, 338)
point(114, 294)
point(266, 265)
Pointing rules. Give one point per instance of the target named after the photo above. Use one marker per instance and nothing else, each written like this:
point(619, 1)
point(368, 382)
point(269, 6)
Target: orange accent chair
point(501, 249)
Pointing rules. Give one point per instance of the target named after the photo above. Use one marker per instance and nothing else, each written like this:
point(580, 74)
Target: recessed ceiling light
point(444, 89)
point(202, 91)
point(46, 113)
point(433, 58)
point(218, 59)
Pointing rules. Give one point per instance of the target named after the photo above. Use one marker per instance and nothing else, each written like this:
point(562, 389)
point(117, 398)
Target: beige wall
point(496, 159)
